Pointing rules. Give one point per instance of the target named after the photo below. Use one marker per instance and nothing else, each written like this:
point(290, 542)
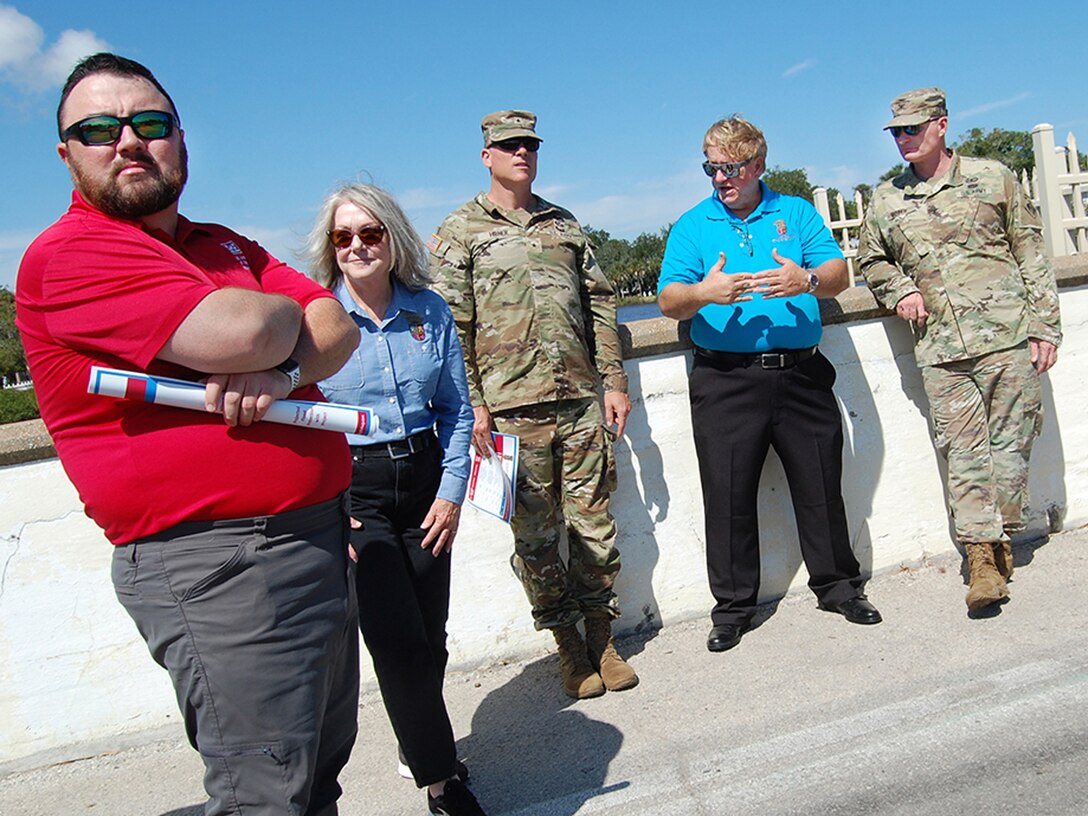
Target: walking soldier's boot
point(987, 585)
point(580, 680)
point(614, 671)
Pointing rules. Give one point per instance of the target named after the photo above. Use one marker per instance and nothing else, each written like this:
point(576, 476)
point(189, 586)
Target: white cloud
point(552, 191)
point(647, 207)
point(72, 46)
point(842, 177)
point(283, 242)
point(20, 37)
point(428, 198)
point(24, 63)
point(794, 70)
point(986, 107)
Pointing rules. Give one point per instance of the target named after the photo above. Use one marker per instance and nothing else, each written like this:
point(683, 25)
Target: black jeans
point(738, 412)
point(404, 594)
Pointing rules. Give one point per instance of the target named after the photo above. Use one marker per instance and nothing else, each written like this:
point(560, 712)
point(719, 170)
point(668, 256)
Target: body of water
point(637, 311)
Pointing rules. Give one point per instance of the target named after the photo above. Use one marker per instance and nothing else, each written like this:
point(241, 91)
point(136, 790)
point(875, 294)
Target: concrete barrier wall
point(75, 677)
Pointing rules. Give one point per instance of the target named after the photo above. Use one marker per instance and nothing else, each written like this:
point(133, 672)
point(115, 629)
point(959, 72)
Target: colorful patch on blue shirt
point(783, 231)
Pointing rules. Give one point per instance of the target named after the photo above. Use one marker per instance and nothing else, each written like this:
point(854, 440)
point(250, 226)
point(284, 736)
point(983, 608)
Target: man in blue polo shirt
point(746, 266)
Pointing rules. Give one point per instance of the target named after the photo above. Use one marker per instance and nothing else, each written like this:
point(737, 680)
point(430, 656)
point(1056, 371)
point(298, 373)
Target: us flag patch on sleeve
point(434, 244)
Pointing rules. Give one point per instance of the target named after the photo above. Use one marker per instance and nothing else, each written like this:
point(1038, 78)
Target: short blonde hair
point(737, 137)
point(406, 252)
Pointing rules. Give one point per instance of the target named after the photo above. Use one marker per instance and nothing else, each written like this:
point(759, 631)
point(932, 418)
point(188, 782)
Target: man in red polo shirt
point(230, 533)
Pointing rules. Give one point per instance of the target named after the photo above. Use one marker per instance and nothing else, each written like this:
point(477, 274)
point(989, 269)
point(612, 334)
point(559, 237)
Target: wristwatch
point(813, 282)
point(291, 369)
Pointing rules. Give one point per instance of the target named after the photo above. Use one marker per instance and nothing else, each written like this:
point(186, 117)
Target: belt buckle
point(780, 357)
point(409, 449)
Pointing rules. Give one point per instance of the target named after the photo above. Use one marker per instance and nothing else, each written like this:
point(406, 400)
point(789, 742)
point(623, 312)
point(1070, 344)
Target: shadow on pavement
point(531, 744)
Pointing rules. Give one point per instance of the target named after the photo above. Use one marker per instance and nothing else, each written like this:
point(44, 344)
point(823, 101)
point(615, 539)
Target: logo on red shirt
point(239, 256)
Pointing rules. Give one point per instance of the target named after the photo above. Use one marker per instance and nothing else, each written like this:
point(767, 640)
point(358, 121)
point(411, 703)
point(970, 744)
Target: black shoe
point(456, 800)
point(724, 636)
point(855, 610)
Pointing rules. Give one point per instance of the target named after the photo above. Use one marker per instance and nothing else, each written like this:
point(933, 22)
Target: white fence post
point(1048, 190)
point(819, 198)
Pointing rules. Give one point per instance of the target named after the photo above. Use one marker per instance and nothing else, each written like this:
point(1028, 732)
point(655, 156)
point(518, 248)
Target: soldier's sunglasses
point(106, 130)
point(512, 145)
point(368, 236)
point(909, 130)
point(729, 169)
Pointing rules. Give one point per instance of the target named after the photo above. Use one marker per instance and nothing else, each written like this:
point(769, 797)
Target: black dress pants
point(404, 594)
point(738, 412)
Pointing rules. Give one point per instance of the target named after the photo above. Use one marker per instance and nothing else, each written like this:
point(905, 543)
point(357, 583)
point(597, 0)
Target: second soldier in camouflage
point(954, 246)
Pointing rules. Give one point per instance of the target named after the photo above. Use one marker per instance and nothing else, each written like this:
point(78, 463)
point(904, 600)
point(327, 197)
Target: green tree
point(894, 171)
point(789, 182)
point(12, 358)
point(1013, 148)
point(631, 266)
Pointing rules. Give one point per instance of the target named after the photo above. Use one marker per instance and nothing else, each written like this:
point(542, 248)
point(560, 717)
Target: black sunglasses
point(512, 145)
point(728, 169)
point(369, 236)
point(106, 130)
point(910, 130)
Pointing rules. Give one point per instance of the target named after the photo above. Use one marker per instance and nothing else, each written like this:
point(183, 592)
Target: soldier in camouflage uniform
point(955, 247)
point(537, 320)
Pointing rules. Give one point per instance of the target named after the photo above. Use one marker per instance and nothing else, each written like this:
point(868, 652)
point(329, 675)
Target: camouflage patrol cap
point(508, 124)
point(917, 107)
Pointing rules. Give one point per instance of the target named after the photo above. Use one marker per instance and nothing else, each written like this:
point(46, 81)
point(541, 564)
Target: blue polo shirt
point(786, 223)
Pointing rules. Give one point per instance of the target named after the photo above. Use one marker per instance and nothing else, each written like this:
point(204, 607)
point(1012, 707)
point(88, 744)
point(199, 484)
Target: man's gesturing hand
point(722, 287)
point(786, 280)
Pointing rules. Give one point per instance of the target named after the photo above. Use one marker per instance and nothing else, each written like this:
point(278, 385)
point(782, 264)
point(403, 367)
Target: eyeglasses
point(728, 169)
point(106, 130)
point(371, 235)
point(909, 130)
point(512, 145)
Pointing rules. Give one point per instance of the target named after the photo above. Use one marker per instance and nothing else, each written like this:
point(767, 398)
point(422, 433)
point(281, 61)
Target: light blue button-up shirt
point(409, 371)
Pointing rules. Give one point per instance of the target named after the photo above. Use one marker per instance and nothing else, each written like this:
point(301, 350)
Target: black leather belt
point(787, 358)
point(401, 449)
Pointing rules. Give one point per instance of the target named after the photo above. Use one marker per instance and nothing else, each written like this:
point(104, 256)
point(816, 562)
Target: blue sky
point(282, 101)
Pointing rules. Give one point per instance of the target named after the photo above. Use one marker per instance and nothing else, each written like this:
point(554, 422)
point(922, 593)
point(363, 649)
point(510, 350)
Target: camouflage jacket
point(536, 315)
point(971, 243)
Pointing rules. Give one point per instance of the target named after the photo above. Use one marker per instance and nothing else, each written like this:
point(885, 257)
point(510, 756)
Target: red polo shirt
point(96, 290)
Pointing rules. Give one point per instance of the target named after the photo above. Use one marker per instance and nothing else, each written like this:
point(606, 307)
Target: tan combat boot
point(580, 681)
point(987, 585)
point(615, 672)
point(1003, 558)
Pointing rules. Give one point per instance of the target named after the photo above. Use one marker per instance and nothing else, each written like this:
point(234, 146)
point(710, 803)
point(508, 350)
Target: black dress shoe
point(855, 610)
point(724, 636)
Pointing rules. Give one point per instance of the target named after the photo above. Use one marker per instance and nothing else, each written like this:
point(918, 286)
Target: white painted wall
point(74, 672)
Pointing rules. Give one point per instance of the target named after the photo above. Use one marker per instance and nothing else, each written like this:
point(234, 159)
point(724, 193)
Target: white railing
point(844, 229)
point(1060, 190)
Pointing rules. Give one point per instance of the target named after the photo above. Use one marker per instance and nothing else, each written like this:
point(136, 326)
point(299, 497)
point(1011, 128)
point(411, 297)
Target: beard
point(133, 199)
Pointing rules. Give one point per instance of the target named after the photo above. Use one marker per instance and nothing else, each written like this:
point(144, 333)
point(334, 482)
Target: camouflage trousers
point(565, 475)
point(987, 413)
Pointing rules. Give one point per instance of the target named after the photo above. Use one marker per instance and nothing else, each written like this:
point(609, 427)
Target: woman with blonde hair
point(409, 478)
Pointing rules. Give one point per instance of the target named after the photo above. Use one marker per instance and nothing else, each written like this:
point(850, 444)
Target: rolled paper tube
point(325, 416)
